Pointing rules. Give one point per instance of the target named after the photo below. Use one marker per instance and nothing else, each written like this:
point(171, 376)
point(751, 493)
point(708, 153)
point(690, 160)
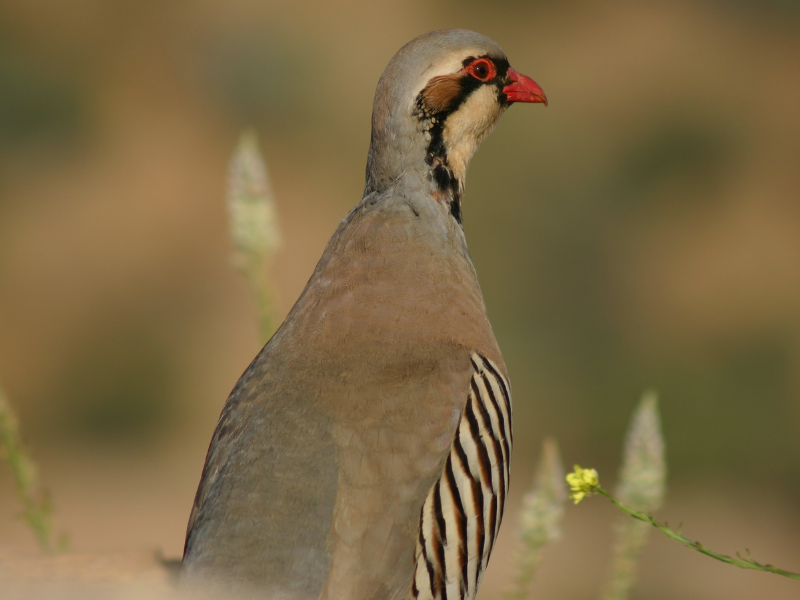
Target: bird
point(364, 454)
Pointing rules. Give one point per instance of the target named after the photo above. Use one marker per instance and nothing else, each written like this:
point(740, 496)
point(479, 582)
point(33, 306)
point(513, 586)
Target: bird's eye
point(482, 69)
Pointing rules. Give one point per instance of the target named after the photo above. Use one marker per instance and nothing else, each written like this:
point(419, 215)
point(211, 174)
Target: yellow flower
point(582, 483)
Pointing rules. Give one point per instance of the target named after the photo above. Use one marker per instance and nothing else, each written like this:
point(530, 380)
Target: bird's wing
point(461, 516)
point(421, 494)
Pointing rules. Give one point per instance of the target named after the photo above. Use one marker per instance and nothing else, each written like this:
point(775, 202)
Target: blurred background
point(641, 232)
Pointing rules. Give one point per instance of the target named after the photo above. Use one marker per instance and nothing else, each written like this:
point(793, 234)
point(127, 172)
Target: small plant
point(642, 485)
point(640, 492)
point(585, 482)
point(37, 507)
point(253, 225)
point(540, 518)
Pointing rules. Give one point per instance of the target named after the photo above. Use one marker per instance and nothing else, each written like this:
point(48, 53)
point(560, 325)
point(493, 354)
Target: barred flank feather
point(461, 515)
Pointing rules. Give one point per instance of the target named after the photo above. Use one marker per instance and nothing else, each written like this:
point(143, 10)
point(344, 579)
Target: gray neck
point(403, 142)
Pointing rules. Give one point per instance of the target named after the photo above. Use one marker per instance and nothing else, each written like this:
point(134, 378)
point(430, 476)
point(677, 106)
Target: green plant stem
point(256, 274)
point(37, 514)
point(631, 537)
point(738, 561)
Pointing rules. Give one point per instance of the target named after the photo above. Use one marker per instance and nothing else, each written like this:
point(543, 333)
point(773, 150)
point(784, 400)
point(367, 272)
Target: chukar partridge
point(364, 454)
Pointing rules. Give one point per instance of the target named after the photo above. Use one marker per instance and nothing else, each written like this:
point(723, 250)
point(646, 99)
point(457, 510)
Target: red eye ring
point(482, 69)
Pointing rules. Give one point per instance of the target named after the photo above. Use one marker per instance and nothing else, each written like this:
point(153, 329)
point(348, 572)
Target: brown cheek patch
point(440, 92)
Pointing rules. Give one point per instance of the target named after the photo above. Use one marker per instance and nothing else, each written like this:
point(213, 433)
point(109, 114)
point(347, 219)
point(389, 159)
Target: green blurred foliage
point(119, 389)
point(34, 105)
point(262, 78)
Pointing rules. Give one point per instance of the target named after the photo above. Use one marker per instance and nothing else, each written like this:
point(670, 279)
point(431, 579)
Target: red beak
point(524, 89)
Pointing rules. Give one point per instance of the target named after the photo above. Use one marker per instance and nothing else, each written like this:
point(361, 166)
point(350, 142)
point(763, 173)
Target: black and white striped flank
point(461, 515)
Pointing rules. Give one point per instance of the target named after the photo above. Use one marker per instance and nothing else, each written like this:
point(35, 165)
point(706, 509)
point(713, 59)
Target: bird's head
point(440, 95)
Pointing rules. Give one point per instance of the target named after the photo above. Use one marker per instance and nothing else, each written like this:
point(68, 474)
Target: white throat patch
point(465, 128)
